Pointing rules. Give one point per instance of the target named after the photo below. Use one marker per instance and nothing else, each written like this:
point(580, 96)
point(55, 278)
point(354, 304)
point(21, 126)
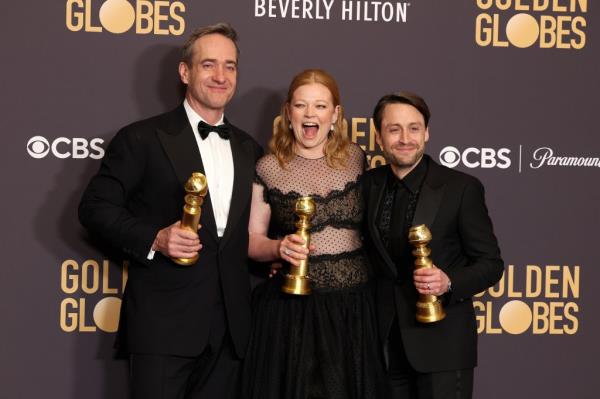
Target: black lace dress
point(323, 345)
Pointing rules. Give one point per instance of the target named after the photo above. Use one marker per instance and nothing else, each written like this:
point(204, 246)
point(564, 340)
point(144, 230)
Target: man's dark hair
point(222, 28)
point(401, 97)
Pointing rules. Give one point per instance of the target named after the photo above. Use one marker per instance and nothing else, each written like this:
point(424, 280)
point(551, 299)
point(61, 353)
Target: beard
point(404, 161)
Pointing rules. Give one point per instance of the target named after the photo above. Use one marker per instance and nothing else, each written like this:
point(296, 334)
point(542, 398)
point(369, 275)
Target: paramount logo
point(544, 156)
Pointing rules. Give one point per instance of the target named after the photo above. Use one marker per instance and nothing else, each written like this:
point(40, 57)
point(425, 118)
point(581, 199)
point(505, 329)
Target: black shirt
point(398, 206)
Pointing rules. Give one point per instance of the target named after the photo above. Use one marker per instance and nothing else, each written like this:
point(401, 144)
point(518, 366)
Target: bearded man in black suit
point(185, 327)
point(426, 360)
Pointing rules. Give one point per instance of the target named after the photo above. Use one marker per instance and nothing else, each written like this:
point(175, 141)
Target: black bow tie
point(222, 130)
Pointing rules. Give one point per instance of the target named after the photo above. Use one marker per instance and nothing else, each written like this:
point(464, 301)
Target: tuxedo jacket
point(463, 245)
point(167, 308)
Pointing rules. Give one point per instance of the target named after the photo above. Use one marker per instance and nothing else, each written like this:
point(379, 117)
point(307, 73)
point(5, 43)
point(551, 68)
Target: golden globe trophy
point(297, 281)
point(429, 307)
point(196, 189)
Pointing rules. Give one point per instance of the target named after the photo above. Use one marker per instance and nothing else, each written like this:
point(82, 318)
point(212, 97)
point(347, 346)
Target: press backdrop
point(513, 89)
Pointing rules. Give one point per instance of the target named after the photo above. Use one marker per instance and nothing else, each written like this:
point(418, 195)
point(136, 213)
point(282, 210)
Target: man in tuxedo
point(426, 360)
point(185, 327)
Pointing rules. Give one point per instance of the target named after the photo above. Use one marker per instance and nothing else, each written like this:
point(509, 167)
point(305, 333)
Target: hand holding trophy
point(297, 281)
point(196, 189)
point(429, 307)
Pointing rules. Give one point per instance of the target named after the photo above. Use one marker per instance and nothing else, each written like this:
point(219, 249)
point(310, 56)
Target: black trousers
point(213, 374)
point(407, 383)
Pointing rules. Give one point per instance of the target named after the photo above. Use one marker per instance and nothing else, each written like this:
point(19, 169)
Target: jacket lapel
point(181, 148)
point(376, 192)
point(430, 197)
point(243, 172)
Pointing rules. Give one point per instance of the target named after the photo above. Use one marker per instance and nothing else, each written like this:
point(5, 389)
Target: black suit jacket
point(168, 309)
point(463, 244)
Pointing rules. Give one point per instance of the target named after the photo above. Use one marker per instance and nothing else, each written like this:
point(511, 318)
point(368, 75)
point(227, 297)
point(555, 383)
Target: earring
point(290, 126)
point(332, 128)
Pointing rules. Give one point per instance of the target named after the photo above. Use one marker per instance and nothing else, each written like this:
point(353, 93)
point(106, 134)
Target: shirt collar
point(195, 119)
point(412, 181)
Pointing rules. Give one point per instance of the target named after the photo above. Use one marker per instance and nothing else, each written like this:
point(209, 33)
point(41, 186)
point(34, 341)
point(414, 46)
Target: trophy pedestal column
point(429, 307)
point(297, 281)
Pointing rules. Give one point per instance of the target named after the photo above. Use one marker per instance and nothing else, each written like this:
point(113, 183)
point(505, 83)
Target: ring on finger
point(287, 251)
point(428, 287)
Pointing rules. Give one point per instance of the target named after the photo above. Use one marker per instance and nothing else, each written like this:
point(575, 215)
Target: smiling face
point(212, 76)
point(402, 136)
point(311, 112)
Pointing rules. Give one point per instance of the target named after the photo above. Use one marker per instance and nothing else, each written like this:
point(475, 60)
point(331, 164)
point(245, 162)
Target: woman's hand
point(291, 249)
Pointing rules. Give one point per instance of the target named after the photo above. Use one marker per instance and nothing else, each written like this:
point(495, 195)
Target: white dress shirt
point(218, 169)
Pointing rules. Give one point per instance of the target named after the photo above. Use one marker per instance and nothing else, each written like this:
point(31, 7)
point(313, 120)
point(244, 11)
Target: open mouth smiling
point(310, 129)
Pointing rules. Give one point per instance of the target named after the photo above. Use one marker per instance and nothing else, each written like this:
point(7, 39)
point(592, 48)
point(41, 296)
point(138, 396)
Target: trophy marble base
point(296, 285)
point(430, 310)
point(185, 261)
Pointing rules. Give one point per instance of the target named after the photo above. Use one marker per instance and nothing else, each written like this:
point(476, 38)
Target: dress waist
point(331, 272)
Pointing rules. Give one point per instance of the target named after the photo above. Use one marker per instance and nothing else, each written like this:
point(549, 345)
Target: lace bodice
point(337, 260)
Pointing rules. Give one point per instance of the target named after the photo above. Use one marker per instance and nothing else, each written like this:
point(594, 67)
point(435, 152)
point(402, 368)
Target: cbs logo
point(62, 147)
point(475, 157)
point(159, 17)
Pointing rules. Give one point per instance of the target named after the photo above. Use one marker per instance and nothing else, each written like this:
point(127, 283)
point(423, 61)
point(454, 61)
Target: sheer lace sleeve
point(263, 168)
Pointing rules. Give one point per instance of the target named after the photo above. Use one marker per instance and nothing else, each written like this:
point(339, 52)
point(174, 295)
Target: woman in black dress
point(323, 345)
